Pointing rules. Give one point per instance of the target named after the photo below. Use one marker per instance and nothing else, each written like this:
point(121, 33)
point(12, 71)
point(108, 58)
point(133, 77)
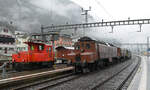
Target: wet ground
point(141, 80)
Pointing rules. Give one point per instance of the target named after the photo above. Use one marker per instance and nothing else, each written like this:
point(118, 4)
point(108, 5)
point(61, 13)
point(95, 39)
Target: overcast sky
point(119, 10)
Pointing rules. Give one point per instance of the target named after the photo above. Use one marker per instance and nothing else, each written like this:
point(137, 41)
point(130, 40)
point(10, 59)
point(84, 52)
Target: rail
point(120, 86)
point(11, 81)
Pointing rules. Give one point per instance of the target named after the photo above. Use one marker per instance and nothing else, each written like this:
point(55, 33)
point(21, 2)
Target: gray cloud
point(29, 16)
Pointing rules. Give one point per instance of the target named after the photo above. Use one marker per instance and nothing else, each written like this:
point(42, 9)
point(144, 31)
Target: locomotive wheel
point(13, 66)
point(91, 67)
point(85, 70)
point(78, 69)
point(106, 63)
point(50, 64)
point(117, 60)
point(101, 64)
point(120, 59)
point(18, 67)
point(95, 65)
point(40, 65)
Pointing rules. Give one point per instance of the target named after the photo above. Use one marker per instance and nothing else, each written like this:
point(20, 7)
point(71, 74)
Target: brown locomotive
point(90, 54)
point(63, 54)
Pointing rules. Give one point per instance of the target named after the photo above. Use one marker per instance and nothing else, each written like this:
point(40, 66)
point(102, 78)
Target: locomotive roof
point(85, 39)
point(62, 47)
point(92, 39)
point(34, 43)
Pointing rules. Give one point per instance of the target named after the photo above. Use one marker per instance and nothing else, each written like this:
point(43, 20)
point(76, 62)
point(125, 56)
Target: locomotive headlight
point(82, 50)
point(69, 62)
point(84, 61)
point(23, 60)
point(63, 55)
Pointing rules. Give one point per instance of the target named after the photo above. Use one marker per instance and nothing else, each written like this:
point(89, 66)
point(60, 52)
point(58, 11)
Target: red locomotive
point(90, 54)
point(38, 54)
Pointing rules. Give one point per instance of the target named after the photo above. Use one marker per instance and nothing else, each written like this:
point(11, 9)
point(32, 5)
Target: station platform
point(141, 80)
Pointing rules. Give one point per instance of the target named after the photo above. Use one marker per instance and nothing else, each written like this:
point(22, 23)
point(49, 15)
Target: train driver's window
point(87, 46)
point(41, 47)
point(49, 49)
point(77, 47)
point(32, 47)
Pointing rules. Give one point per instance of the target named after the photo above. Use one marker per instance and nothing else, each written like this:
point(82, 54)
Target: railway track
point(31, 79)
point(98, 80)
point(101, 80)
point(12, 73)
point(122, 76)
point(48, 82)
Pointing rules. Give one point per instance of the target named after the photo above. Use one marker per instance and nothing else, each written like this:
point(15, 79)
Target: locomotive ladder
point(98, 24)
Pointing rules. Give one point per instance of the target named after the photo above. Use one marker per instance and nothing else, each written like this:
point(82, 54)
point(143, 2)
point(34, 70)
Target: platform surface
point(35, 75)
point(141, 80)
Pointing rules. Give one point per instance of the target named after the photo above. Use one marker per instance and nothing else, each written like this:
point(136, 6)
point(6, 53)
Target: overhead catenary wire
point(19, 10)
point(105, 10)
point(51, 9)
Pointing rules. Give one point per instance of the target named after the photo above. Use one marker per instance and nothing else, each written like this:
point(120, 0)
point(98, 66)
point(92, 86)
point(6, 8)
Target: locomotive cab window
point(77, 47)
point(41, 47)
point(50, 49)
point(88, 46)
point(32, 47)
